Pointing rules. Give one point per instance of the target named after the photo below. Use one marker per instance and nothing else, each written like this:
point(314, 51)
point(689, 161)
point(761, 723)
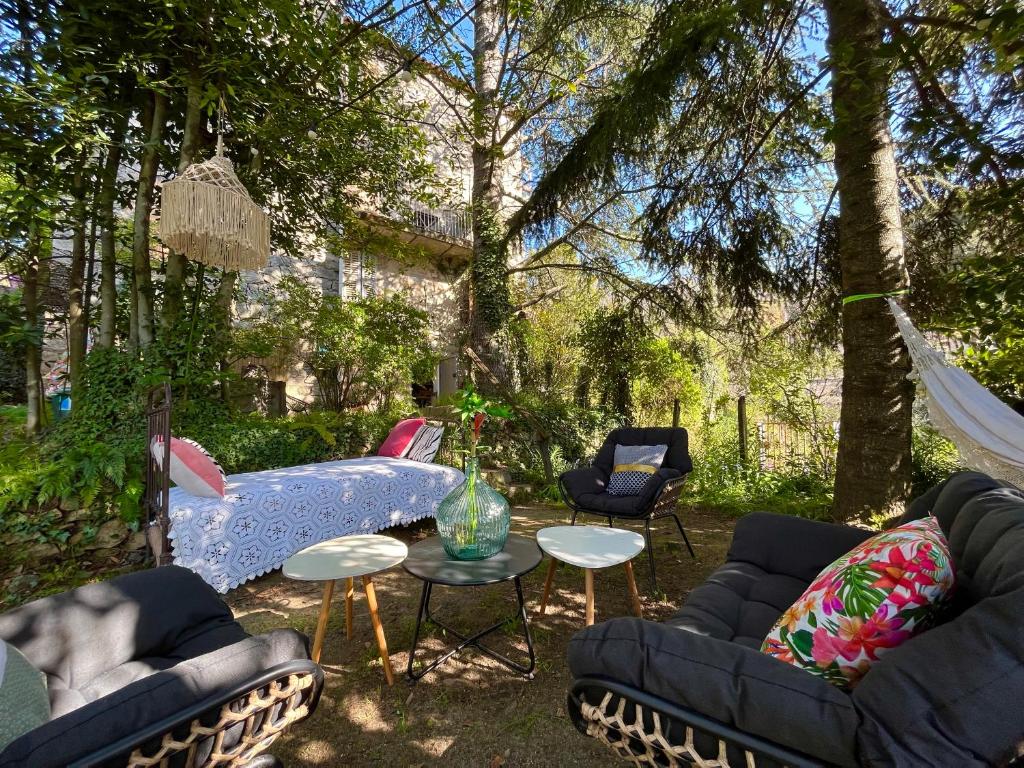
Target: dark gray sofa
point(150, 655)
point(697, 684)
point(584, 489)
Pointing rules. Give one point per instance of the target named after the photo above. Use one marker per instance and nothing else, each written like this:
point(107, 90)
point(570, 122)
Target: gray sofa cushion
point(792, 546)
point(149, 700)
point(960, 684)
point(731, 683)
point(74, 638)
point(739, 602)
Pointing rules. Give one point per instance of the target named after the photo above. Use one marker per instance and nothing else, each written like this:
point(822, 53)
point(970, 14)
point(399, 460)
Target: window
point(357, 276)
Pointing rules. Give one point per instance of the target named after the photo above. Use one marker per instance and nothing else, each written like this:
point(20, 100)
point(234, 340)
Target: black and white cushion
point(425, 444)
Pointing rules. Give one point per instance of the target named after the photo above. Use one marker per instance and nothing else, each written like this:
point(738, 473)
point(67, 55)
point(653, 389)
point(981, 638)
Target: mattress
point(266, 517)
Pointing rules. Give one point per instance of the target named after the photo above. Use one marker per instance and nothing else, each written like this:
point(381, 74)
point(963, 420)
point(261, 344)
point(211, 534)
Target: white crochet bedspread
point(266, 517)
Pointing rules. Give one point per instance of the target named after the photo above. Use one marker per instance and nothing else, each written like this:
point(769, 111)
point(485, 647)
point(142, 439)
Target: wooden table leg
point(588, 577)
point(634, 595)
point(350, 588)
point(547, 584)
point(321, 624)
point(371, 601)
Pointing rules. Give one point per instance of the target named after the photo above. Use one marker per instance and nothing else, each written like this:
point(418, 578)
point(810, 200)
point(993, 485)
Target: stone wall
point(425, 286)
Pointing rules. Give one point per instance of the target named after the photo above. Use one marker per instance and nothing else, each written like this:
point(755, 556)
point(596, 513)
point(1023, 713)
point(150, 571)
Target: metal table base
point(473, 640)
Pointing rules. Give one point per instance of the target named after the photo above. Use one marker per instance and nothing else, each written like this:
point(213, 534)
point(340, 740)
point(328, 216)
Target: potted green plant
point(473, 520)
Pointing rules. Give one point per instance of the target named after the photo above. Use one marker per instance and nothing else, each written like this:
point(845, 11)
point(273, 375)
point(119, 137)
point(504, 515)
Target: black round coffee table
point(429, 563)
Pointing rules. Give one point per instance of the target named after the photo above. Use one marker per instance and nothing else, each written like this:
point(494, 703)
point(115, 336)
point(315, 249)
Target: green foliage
point(252, 443)
point(721, 479)
point(990, 319)
point(360, 352)
point(575, 434)
point(934, 459)
point(616, 345)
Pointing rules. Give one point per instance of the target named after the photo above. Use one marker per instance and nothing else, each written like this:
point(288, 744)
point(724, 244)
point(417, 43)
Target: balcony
point(444, 232)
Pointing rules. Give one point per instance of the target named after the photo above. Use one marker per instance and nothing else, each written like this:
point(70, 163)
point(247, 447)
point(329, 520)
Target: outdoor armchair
point(151, 666)
point(584, 490)
point(697, 688)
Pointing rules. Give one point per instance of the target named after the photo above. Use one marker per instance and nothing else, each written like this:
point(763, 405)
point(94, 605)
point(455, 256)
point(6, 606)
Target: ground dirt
point(470, 711)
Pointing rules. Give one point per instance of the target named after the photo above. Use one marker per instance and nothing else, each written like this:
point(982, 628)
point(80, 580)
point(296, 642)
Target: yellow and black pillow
point(633, 467)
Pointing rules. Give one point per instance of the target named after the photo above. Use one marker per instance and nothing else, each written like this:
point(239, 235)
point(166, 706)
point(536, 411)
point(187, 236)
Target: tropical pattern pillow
point(868, 601)
point(633, 466)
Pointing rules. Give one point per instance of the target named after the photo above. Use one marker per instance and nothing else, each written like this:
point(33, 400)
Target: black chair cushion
point(726, 681)
point(677, 457)
point(584, 480)
point(951, 695)
point(76, 637)
point(791, 545)
point(125, 711)
point(740, 602)
point(617, 506)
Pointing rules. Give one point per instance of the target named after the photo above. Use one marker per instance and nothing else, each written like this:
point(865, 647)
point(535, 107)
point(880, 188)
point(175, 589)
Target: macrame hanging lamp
point(209, 216)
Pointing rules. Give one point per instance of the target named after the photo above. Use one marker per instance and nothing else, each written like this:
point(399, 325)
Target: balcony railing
point(445, 223)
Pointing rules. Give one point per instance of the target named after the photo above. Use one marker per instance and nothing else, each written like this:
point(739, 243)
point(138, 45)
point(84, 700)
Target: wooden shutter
point(357, 278)
point(369, 272)
point(348, 276)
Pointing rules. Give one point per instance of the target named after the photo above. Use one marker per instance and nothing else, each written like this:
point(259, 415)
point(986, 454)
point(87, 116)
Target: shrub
point(721, 479)
point(934, 459)
point(251, 443)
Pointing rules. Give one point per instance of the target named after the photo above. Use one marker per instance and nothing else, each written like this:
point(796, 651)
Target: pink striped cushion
point(397, 442)
point(193, 469)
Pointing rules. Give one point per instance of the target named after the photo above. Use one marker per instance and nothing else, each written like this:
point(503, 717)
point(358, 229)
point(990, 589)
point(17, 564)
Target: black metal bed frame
point(664, 505)
point(231, 729)
point(649, 730)
point(156, 498)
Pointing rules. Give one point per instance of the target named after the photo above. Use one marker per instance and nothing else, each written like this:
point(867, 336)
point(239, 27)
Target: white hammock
point(988, 433)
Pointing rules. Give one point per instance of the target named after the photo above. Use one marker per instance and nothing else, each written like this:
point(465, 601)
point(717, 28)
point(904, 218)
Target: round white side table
point(346, 558)
point(590, 547)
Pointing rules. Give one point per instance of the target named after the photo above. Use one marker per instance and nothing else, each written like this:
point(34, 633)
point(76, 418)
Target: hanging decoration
point(207, 214)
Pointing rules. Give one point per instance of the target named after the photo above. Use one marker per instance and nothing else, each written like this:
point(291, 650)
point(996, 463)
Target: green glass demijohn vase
point(473, 519)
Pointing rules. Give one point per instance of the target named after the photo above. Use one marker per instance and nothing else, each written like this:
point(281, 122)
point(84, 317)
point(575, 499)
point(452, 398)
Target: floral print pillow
point(869, 600)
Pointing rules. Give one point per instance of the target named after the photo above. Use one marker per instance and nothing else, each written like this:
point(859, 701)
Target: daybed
point(696, 688)
point(151, 669)
point(265, 517)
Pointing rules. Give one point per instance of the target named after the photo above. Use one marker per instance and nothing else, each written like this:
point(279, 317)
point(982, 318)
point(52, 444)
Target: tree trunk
point(108, 228)
point(33, 350)
point(174, 275)
point(77, 329)
point(154, 117)
point(489, 301)
point(225, 297)
point(873, 465)
point(90, 268)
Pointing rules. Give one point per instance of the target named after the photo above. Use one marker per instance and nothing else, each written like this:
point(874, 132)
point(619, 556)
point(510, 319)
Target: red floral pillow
point(868, 601)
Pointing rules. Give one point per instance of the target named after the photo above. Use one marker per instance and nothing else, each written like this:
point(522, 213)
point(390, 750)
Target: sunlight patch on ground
point(366, 714)
point(436, 745)
point(317, 752)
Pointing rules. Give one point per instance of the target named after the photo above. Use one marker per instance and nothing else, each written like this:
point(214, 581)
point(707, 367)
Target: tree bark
point(873, 465)
point(490, 305)
point(108, 229)
point(77, 329)
point(225, 297)
point(174, 274)
point(33, 350)
point(154, 117)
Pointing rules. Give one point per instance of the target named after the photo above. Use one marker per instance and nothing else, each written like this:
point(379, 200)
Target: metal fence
point(782, 446)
